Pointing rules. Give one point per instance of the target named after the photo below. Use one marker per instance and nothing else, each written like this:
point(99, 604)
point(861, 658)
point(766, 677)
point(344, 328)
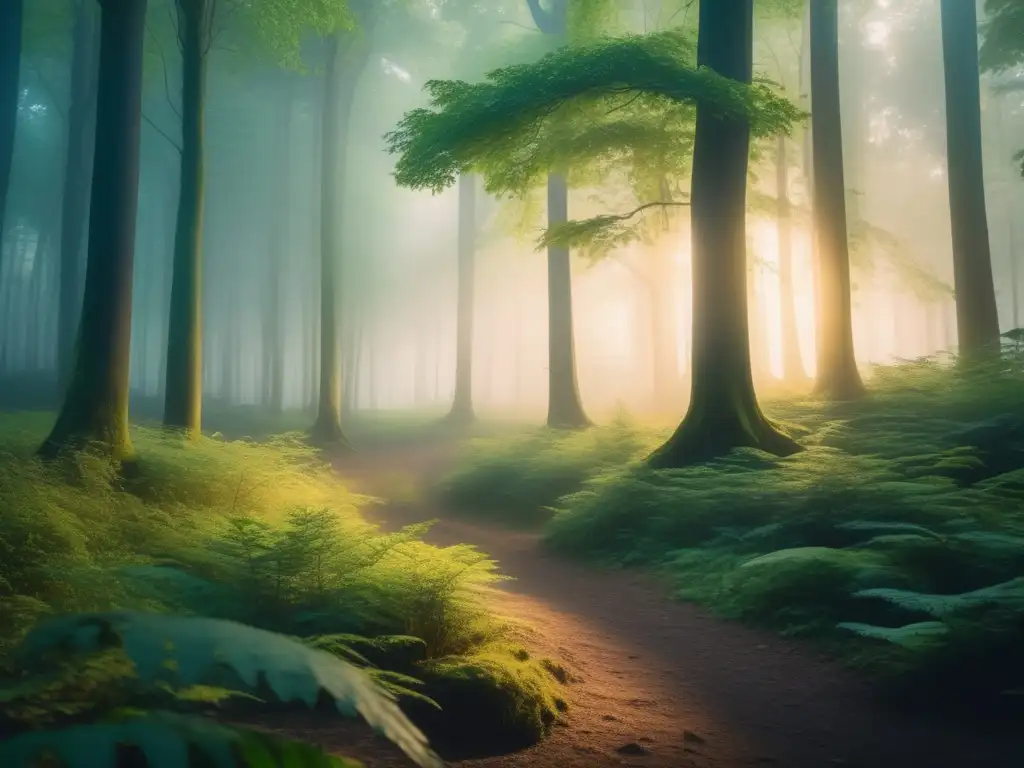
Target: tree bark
point(565, 408)
point(793, 371)
point(11, 14)
point(75, 198)
point(723, 413)
point(183, 390)
point(347, 54)
point(977, 318)
point(273, 331)
point(462, 403)
point(837, 376)
point(95, 408)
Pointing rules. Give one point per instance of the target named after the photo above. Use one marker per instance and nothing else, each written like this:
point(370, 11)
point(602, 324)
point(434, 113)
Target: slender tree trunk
point(347, 56)
point(462, 404)
point(95, 407)
point(977, 318)
point(723, 413)
point(793, 371)
point(273, 342)
point(11, 12)
point(183, 390)
point(565, 408)
point(75, 199)
point(837, 376)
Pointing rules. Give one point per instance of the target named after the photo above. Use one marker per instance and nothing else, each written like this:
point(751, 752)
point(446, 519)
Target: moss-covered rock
point(494, 701)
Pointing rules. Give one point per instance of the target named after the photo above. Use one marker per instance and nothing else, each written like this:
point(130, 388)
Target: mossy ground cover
point(896, 538)
point(260, 533)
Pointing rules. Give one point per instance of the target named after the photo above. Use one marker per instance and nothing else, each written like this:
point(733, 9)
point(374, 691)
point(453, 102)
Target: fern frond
point(910, 636)
point(166, 740)
point(1008, 594)
point(191, 650)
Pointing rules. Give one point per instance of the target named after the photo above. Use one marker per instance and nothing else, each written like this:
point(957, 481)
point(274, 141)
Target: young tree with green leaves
point(609, 102)
point(95, 407)
point(976, 312)
point(837, 377)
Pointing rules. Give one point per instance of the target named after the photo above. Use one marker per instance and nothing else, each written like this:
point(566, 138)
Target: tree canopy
point(625, 101)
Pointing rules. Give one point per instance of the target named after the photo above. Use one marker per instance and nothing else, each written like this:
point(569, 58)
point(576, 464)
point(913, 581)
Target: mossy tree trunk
point(11, 14)
point(183, 389)
point(793, 371)
point(95, 407)
point(347, 54)
point(75, 197)
point(462, 403)
point(565, 407)
point(837, 374)
point(977, 318)
point(723, 413)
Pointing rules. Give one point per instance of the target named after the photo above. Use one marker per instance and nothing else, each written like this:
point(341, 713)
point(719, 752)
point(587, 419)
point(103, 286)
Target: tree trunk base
point(700, 439)
point(460, 416)
point(577, 420)
point(840, 388)
point(328, 434)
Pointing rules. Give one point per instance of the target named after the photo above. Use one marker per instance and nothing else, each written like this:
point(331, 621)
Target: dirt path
point(663, 685)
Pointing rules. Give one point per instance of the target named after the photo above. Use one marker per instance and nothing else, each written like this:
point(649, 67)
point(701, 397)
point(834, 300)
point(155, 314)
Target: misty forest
point(538, 383)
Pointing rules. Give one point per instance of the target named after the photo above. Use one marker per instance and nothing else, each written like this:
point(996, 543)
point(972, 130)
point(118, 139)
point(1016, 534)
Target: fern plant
point(186, 651)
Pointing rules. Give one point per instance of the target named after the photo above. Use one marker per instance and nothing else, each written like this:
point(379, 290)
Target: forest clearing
point(527, 383)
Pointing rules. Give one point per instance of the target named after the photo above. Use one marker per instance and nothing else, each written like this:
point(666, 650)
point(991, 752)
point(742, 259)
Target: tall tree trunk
point(183, 390)
point(977, 318)
point(565, 408)
point(346, 57)
point(95, 407)
point(793, 371)
point(837, 375)
point(75, 198)
point(462, 404)
point(723, 413)
point(273, 341)
point(11, 13)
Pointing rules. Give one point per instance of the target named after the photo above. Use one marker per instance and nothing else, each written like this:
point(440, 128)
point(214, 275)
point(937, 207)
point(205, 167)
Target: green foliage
point(1002, 45)
point(278, 28)
point(192, 651)
point(263, 534)
point(473, 127)
point(166, 740)
point(515, 479)
point(896, 538)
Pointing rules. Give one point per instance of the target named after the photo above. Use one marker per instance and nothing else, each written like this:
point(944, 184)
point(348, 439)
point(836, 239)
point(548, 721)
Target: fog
point(398, 249)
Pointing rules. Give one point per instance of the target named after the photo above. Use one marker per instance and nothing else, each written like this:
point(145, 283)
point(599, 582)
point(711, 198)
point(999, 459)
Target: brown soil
point(661, 684)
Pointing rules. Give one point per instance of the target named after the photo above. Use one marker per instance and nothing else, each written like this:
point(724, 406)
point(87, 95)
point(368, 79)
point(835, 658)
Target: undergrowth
point(260, 534)
point(896, 538)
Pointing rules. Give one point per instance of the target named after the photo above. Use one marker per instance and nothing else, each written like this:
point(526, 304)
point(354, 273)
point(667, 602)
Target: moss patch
point(495, 701)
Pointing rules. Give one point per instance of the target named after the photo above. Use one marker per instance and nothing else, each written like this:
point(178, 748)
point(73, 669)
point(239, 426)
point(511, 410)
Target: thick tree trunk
point(565, 408)
point(977, 318)
point(837, 375)
point(96, 404)
point(183, 391)
point(75, 198)
point(793, 371)
point(347, 56)
point(724, 413)
point(11, 13)
point(462, 404)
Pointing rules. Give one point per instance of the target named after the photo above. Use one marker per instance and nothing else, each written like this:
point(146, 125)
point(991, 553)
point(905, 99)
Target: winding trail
point(661, 684)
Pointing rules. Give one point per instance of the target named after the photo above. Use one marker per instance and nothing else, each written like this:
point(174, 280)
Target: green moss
point(493, 701)
point(397, 653)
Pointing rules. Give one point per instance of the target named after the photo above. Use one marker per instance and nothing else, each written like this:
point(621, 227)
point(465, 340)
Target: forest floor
point(657, 683)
